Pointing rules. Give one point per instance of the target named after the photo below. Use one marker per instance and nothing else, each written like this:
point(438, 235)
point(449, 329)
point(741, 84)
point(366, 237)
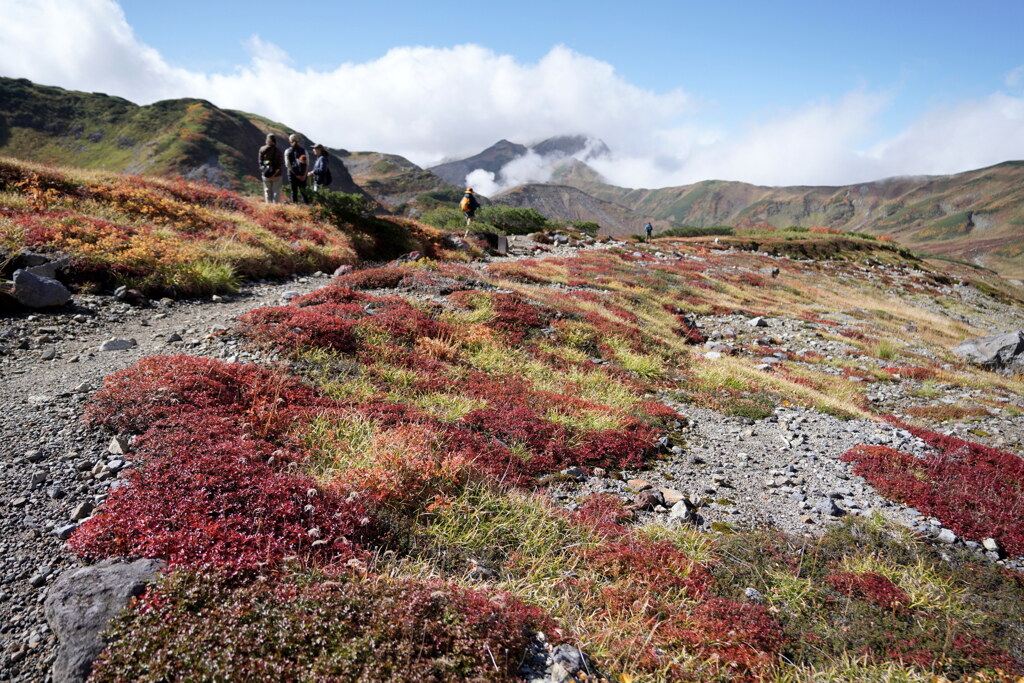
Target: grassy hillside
point(976, 216)
point(393, 179)
point(188, 137)
point(180, 238)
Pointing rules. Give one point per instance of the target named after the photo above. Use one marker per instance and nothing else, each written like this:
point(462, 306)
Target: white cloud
point(1015, 77)
point(429, 103)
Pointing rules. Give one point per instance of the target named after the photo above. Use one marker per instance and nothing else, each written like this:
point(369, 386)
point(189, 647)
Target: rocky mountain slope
point(188, 137)
point(976, 216)
point(395, 180)
point(568, 203)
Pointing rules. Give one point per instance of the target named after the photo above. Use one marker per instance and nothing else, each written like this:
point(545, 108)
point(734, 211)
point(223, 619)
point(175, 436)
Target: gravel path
point(53, 469)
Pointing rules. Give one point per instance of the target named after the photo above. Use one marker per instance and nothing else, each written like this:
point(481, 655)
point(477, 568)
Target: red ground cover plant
point(647, 583)
point(204, 494)
point(910, 372)
point(327, 326)
point(741, 635)
point(514, 316)
point(156, 387)
point(869, 586)
point(976, 490)
point(385, 277)
point(353, 628)
point(333, 318)
point(208, 488)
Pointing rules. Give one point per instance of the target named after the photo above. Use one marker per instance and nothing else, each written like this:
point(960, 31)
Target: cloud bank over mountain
point(431, 103)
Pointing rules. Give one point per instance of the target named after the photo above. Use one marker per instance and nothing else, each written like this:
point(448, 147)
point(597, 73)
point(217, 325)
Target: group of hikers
point(293, 166)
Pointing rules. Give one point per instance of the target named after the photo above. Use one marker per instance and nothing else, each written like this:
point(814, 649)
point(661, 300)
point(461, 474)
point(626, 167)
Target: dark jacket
point(321, 173)
point(296, 169)
point(271, 152)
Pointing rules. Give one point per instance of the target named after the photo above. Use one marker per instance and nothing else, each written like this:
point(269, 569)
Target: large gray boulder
point(82, 602)
point(998, 351)
point(36, 291)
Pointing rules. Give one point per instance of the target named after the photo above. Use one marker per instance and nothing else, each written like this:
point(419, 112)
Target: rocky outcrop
point(82, 602)
point(36, 291)
point(996, 352)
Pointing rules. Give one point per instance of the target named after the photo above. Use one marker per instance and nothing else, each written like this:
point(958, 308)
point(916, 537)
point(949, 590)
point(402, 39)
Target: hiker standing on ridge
point(469, 205)
point(271, 169)
point(294, 163)
point(649, 229)
point(321, 172)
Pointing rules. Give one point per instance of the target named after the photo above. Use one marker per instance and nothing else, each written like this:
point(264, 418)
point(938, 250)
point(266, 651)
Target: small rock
point(64, 532)
point(575, 472)
point(48, 353)
point(648, 499)
point(118, 344)
point(947, 536)
point(672, 496)
point(828, 507)
point(638, 484)
point(990, 544)
point(119, 445)
point(757, 322)
point(754, 595)
point(682, 510)
point(82, 511)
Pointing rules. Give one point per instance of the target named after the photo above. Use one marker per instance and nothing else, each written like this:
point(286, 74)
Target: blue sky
point(772, 93)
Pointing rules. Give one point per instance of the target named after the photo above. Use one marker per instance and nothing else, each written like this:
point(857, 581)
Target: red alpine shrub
point(206, 495)
point(653, 571)
point(743, 635)
point(976, 490)
point(603, 513)
point(625, 447)
point(868, 586)
point(159, 386)
point(289, 327)
point(982, 655)
point(354, 628)
point(910, 372)
point(385, 277)
point(331, 294)
point(403, 322)
point(515, 317)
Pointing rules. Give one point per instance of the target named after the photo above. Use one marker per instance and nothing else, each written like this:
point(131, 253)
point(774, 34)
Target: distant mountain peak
point(506, 164)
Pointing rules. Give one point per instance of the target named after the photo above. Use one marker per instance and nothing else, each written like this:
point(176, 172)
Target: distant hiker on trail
point(469, 205)
point(295, 164)
point(321, 172)
point(271, 169)
point(648, 229)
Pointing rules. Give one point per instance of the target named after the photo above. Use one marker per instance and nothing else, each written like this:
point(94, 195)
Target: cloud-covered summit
point(505, 164)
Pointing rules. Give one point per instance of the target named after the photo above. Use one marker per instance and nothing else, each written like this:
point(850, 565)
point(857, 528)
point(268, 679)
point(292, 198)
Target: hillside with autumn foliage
point(752, 456)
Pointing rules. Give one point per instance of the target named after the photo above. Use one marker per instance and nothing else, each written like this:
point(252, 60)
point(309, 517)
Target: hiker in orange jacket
point(469, 205)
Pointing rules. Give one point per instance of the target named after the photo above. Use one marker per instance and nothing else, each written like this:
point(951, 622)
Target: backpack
point(468, 204)
point(325, 178)
point(268, 163)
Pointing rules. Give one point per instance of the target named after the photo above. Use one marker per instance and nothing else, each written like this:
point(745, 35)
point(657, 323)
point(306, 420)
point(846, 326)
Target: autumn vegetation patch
point(302, 506)
point(172, 237)
point(978, 491)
